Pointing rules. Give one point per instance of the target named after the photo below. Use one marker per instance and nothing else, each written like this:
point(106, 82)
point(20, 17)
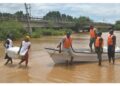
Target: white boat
point(83, 55)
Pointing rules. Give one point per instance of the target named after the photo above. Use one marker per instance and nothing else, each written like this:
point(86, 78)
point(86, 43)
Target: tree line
point(81, 22)
point(57, 16)
point(19, 15)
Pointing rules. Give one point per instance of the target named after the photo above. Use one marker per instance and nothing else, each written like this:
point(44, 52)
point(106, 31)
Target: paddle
point(52, 49)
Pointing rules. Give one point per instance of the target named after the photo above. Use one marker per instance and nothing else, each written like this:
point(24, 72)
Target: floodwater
point(43, 70)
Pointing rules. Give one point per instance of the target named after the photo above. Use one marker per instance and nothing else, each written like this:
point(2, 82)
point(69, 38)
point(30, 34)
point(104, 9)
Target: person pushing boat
point(111, 42)
point(92, 37)
point(24, 50)
point(66, 44)
point(99, 47)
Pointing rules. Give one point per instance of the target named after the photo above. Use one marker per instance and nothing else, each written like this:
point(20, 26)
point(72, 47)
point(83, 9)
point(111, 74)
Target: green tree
point(57, 16)
point(5, 16)
point(117, 25)
point(81, 23)
point(20, 15)
point(64, 18)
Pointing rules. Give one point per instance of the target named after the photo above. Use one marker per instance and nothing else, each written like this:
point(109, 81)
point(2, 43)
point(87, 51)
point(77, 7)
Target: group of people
point(66, 45)
point(24, 48)
point(96, 40)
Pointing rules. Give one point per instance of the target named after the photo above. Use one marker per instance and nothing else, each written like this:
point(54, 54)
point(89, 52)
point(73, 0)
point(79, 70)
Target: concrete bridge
point(47, 24)
point(52, 24)
point(102, 26)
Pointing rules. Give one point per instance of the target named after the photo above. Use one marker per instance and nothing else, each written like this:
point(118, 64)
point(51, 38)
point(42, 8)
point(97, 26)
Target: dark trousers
point(111, 53)
point(8, 59)
point(99, 54)
point(92, 42)
point(25, 58)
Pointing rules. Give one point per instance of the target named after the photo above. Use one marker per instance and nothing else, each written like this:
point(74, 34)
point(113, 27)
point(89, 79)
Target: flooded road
point(43, 70)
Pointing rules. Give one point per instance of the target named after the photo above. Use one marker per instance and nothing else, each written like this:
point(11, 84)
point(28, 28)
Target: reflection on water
point(42, 69)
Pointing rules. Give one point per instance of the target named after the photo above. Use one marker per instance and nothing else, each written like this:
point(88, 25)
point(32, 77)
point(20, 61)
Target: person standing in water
point(92, 37)
point(8, 44)
point(24, 50)
point(99, 47)
point(111, 42)
point(67, 46)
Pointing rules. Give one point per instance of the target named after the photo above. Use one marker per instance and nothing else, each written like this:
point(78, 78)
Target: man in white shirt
point(8, 44)
point(24, 49)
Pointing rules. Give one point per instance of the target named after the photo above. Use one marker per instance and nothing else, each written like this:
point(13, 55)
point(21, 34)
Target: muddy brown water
point(43, 70)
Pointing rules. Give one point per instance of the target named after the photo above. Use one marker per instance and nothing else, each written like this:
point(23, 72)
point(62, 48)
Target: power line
point(28, 14)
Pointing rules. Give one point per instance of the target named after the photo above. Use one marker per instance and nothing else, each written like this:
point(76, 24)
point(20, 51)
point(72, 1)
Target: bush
point(36, 35)
point(49, 32)
point(11, 27)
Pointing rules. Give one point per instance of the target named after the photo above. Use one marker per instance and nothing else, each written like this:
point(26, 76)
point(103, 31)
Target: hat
point(68, 33)
point(27, 37)
point(99, 33)
point(111, 31)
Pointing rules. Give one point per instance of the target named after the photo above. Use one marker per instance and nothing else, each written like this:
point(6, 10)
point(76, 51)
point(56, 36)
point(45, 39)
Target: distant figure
point(24, 50)
point(92, 37)
point(67, 46)
point(8, 44)
point(111, 42)
point(99, 47)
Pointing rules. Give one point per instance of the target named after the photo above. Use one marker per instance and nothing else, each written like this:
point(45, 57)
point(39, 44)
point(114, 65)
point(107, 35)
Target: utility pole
point(27, 7)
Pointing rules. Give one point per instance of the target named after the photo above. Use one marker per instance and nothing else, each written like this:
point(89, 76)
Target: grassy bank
point(49, 32)
point(17, 30)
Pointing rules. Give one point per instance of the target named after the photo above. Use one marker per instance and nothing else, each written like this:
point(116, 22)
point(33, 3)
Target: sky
point(98, 12)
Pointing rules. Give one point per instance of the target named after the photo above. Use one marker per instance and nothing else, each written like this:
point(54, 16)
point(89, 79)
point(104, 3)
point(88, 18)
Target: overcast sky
point(97, 12)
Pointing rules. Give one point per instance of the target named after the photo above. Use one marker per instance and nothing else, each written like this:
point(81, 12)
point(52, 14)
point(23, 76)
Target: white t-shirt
point(10, 43)
point(24, 48)
point(7, 46)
